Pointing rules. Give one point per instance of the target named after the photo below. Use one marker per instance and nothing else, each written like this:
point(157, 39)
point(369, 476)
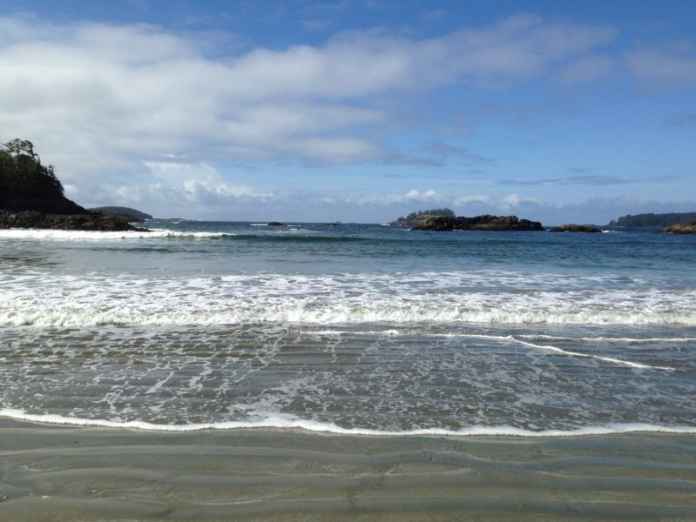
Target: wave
point(483, 298)
point(90, 235)
point(150, 314)
point(279, 421)
point(293, 235)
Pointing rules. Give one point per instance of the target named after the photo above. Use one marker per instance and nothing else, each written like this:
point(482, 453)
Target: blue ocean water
point(349, 327)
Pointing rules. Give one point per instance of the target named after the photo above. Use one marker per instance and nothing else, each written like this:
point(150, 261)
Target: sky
point(358, 110)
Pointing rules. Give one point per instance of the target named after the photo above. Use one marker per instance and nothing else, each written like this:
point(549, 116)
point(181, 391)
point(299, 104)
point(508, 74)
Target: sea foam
point(280, 421)
point(101, 299)
point(90, 235)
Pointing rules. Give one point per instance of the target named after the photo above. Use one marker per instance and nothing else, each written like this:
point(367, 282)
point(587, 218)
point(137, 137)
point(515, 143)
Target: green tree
point(27, 184)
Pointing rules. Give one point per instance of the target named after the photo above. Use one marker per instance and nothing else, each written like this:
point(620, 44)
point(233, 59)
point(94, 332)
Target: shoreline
point(89, 474)
point(309, 427)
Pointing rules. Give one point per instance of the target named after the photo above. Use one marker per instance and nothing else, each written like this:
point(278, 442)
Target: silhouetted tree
point(27, 184)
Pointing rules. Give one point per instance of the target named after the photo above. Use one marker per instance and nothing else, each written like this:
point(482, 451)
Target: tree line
point(27, 184)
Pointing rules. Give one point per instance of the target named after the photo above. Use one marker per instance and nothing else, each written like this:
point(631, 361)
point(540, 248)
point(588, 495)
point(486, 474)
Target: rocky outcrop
point(31, 196)
point(686, 228)
point(130, 214)
point(587, 229)
point(655, 222)
point(88, 221)
point(419, 218)
point(483, 223)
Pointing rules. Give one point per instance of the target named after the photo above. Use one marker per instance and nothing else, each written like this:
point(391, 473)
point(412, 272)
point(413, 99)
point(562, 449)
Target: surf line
point(613, 360)
point(556, 349)
point(512, 338)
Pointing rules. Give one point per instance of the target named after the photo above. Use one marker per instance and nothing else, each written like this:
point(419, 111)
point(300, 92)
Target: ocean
point(345, 328)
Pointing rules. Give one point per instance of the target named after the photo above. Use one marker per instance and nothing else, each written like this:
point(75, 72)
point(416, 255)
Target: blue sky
point(358, 110)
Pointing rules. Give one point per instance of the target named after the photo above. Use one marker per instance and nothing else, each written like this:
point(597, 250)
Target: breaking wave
point(292, 235)
point(93, 300)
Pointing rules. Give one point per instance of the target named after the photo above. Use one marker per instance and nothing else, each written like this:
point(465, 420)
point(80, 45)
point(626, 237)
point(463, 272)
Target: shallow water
point(349, 327)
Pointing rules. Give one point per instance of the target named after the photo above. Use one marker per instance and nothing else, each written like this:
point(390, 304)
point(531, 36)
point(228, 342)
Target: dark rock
point(419, 218)
point(587, 229)
point(88, 221)
point(483, 223)
point(277, 224)
point(655, 222)
point(682, 228)
point(127, 213)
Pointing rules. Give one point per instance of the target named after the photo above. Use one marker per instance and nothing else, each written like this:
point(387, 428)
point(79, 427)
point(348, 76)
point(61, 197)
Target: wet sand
point(53, 473)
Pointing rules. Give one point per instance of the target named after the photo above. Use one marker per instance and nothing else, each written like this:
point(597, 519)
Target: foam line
point(613, 360)
point(88, 235)
point(511, 338)
point(613, 339)
point(290, 422)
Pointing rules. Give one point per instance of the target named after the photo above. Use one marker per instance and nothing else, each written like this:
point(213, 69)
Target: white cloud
point(469, 199)
point(587, 69)
point(201, 182)
point(413, 196)
point(676, 65)
point(184, 188)
point(102, 101)
point(514, 201)
point(111, 92)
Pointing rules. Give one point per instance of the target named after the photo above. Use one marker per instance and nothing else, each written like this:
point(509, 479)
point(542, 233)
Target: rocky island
point(653, 222)
point(443, 220)
point(130, 214)
point(31, 196)
point(586, 229)
point(682, 228)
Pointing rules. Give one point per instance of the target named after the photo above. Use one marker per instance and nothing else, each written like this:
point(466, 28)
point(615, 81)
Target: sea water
point(349, 328)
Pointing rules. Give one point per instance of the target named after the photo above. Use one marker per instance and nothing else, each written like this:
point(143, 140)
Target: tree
point(27, 184)
point(18, 147)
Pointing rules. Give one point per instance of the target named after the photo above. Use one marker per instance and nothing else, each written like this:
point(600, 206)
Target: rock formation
point(483, 223)
point(589, 229)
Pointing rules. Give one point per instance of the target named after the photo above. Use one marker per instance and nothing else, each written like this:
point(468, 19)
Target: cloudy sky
point(358, 110)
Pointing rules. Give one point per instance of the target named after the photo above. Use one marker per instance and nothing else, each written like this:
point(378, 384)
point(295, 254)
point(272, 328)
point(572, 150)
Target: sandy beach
point(55, 473)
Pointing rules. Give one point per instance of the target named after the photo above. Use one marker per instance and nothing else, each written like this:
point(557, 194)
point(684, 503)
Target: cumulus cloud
point(190, 189)
point(413, 196)
point(117, 105)
point(114, 91)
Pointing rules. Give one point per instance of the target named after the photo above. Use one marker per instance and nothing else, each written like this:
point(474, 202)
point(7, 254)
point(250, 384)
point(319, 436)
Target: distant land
point(31, 196)
point(27, 184)
point(128, 213)
point(653, 221)
point(415, 219)
point(444, 219)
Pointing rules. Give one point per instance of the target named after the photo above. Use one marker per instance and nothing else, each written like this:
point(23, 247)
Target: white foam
point(95, 300)
point(601, 339)
point(621, 362)
point(508, 339)
point(278, 421)
point(89, 235)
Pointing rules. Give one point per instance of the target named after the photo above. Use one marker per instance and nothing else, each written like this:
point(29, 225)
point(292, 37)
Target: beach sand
point(55, 473)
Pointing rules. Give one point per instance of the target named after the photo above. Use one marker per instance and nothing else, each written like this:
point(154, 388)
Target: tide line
point(279, 421)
